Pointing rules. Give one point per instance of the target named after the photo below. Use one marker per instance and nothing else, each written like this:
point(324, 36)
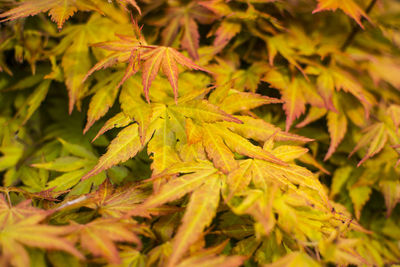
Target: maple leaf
point(136, 109)
point(242, 101)
point(106, 92)
point(337, 126)
point(200, 211)
point(123, 147)
point(262, 131)
point(225, 32)
point(348, 6)
point(213, 261)
point(20, 225)
point(194, 176)
point(294, 258)
point(115, 202)
point(292, 94)
point(99, 236)
point(162, 146)
point(119, 120)
point(165, 58)
point(72, 167)
point(391, 193)
point(154, 57)
point(375, 138)
point(184, 17)
point(59, 10)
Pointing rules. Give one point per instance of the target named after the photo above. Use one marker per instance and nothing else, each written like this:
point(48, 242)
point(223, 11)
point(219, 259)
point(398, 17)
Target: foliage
point(199, 133)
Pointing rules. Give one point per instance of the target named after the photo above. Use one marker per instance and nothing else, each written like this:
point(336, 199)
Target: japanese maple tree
point(199, 133)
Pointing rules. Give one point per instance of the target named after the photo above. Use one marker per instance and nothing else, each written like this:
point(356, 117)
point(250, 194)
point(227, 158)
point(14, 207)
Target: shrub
point(199, 133)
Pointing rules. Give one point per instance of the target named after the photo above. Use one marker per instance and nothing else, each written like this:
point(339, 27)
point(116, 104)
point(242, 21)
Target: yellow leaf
point(125, 146)
point(199, 213)
point(98, 237)
point(178, 187)
point(204, 111)
point(294, 259)
point(337, 126)
point(217, 151)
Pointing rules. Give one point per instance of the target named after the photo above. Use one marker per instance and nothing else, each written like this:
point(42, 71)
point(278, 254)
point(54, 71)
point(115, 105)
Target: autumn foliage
point(199, 133)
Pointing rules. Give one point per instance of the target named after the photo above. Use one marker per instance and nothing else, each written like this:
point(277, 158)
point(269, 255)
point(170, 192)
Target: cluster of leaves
point(160, 133)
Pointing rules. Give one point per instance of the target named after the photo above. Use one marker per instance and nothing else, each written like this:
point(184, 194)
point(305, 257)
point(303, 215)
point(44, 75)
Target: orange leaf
point(348, 6)
point(166, 58)
point(99, 236)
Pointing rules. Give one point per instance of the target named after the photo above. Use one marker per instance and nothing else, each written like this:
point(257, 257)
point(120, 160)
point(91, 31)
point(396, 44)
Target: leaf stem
point(356, 28)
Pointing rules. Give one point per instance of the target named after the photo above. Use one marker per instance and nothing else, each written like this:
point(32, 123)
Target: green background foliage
point(199, 133)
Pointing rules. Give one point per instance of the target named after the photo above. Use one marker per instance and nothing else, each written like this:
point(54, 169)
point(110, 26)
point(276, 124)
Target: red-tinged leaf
point(171, 30)
point(203, 111)
point(184, 16)
point(348, 6)
point(119, 120)
point(170, 69)
point(260, 130)
point(179, 186)
point(190, 40)
point(294, 102)
point(9, 215)
point(225, 32)
point(217, 151)
point(337, 126)
point(150, 69)
point(242, 101)
point(29, 8)
point(62, 12)
point(29, 233)
point(113, 202)
point(104, 63)
point(166, 59)
point(20, 225)
point(99, 237)
point(187, 62)
point(199, 213)
point(125, 146)
point(213, 261)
